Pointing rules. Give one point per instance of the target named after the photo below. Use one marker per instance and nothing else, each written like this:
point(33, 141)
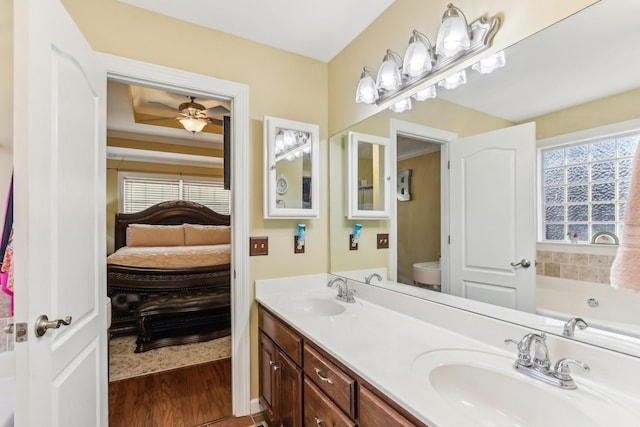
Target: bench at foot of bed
point(182, 318)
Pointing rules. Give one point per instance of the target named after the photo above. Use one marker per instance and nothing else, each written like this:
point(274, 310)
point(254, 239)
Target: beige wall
point(419, 218)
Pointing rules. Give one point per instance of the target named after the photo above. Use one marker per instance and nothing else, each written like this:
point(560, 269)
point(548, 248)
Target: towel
point(625, 270)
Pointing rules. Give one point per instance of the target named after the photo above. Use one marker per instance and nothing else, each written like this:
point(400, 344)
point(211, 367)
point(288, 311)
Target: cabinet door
point(268, 375)
point(374, 412)
point(289, 392)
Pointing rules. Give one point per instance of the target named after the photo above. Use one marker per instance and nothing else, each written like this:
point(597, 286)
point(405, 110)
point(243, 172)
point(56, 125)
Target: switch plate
point(352, 247)
point(383, 241)
point(258, 246)
point(295, 246)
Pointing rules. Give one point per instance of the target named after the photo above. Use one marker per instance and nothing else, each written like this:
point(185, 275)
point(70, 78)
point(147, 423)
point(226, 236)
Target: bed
point(199, 263)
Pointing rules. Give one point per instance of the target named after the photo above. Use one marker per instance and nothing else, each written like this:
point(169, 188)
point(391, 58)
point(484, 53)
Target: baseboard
point(255, 406)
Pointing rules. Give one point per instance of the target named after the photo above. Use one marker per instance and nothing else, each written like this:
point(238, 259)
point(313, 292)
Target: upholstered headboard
point(167, 213)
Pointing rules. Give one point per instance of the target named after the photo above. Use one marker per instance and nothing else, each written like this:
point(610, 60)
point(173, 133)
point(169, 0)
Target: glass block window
point(585, 187)
point(141, 191)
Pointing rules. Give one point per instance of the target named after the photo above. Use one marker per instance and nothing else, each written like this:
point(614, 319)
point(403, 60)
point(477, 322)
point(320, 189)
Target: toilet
point(427, 275)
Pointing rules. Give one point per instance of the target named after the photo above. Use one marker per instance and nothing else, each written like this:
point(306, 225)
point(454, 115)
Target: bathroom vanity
point(393, 360)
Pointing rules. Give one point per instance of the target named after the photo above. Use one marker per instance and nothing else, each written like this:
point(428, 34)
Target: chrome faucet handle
point(563, 375)
point(524, 352)
point(570, 327)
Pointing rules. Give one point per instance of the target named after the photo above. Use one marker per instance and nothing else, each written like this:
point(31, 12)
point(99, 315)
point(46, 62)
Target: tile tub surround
point(575, 262)
point(381, 341)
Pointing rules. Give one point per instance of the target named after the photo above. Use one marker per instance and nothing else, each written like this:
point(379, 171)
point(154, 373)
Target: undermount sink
point(318, 306)
point(483, 389)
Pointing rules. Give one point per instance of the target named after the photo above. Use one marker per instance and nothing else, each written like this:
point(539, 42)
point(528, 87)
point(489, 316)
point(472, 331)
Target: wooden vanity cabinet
point(280, 377)
point(292, 367)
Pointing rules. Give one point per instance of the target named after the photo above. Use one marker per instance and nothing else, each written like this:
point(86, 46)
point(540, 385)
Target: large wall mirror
point(553, 79)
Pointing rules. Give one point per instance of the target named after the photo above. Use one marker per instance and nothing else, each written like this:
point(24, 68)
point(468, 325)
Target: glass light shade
point(401, 106)
point(490, 64)
point(367, 92)
point(454, 80)
point(193, 125)
point(425, 94)
point(289, 138)
point(279, 142)
point(389, 77)
point(453, 35)
point(417, 58)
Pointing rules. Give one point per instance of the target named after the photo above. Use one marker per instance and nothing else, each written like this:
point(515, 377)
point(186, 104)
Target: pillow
point(155, 235)
point(196, 234)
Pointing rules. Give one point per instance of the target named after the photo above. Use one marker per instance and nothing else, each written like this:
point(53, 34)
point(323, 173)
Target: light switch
point(258, 246)
point(383, 241)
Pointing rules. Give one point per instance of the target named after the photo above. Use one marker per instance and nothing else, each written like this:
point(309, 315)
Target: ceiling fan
point(193, 116)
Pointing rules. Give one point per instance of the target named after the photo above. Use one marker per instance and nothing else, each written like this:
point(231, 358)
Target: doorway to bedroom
point(168, 325)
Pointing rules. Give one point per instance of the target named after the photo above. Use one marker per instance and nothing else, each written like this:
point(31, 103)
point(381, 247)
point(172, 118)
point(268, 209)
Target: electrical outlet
point(258, 246)
point(383, 241)
point(352, 247)
point(297, 250)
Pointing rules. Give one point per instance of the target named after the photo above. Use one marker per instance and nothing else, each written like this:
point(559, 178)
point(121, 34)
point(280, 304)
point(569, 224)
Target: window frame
point(122, 175)
point(587, 136)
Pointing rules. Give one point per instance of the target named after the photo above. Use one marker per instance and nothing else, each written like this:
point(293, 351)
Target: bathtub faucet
point(569, 328)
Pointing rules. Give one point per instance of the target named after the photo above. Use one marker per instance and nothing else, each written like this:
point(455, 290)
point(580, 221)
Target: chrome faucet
point(367, 279)
point(569, 328)
point(539, 366)
point(344, 292)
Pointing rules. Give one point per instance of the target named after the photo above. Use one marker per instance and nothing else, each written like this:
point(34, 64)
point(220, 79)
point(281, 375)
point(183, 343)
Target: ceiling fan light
point(401, 106)
point(417, 58)
point(367, 92)
point(453, 34)
point(453, 81)
point(425, 94)
point(193, 125)
point(490, 64)
point(389, 77)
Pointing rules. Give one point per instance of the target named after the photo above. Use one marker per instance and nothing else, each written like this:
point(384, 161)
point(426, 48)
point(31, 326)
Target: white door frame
point(401, 127)
point(128, 71)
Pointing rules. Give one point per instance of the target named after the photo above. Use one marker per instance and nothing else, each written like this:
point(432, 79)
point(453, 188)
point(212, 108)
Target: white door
point(493, 194)
point(59, 160)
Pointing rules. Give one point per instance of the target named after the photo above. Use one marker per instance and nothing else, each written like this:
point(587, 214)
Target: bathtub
point(616, 310)
point(7, 371)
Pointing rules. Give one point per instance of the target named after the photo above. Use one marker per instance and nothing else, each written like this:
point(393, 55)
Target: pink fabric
point(625, 271)
point(6, 270)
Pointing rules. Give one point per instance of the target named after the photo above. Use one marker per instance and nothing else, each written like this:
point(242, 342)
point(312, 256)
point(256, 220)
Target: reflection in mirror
point(291, 169)
point(550, 79)
point(368, 176)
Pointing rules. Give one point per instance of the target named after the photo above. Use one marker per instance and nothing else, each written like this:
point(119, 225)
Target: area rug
point(124, 363)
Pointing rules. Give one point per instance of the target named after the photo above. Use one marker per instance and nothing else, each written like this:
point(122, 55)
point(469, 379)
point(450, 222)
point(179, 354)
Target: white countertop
point(381, 336)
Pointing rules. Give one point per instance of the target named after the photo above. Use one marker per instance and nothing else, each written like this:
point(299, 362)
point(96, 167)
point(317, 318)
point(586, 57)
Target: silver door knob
point(43, 324)
point(525, 263)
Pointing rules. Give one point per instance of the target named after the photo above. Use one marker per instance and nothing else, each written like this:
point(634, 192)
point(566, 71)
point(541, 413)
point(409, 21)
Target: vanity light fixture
point(456, 42)
point(490, 63)
point(290, 144)
point(418, 59)
point(454, 80)
point(389, 77)
point(193, 125)
point(453, 35)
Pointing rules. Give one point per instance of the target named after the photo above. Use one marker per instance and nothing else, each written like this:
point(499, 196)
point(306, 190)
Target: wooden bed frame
point(128, 287)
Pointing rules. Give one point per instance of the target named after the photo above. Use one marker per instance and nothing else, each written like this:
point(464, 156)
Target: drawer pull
point(324, 379)
point(318, 421)
point(273, 365)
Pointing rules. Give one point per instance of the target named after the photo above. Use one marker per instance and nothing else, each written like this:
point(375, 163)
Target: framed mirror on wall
point(369, 177)
point(291, 174)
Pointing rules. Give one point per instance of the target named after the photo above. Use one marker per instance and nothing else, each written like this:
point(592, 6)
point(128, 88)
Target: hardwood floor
point(197, 395)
